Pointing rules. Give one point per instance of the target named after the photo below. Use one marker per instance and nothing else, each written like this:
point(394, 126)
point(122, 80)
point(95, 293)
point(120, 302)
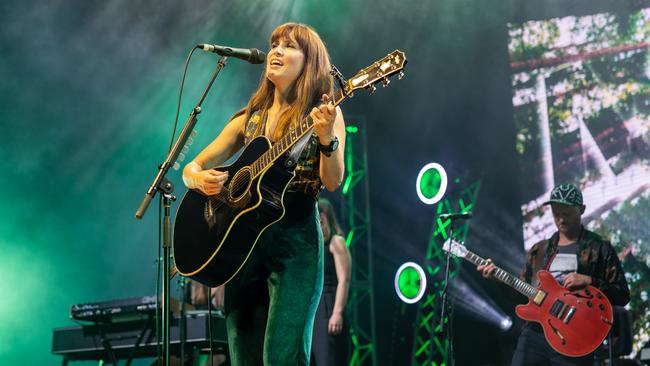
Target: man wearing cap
point(576, 257)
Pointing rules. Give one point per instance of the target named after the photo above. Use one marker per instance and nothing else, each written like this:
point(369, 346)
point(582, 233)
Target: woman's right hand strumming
point(208, 181)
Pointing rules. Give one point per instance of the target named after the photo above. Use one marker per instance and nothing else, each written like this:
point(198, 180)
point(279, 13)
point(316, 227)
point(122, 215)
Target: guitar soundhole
point(239, 185)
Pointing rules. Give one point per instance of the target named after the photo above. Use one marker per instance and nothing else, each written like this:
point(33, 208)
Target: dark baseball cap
point(566, 194)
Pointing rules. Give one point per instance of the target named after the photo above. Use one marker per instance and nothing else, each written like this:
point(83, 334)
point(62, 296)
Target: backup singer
point(576, 257)
point(270, 304)
point(330, 327)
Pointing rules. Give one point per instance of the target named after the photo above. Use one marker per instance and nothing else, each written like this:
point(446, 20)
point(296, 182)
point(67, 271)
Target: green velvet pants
point(271, 303)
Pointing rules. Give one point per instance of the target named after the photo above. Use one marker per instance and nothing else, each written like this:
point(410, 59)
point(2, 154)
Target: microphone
point(456, 216)
point(252, 55)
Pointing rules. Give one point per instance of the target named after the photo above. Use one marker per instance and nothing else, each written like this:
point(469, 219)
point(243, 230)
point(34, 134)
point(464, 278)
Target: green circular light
point(410, 282)
point(431, 183)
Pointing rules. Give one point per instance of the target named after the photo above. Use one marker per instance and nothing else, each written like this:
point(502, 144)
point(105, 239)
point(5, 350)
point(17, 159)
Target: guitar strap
point(551, 250)
point(299, 146)
point(296, 151)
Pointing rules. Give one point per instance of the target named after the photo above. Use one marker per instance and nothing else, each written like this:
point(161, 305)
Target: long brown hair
point(314, 80)
point(325, 206)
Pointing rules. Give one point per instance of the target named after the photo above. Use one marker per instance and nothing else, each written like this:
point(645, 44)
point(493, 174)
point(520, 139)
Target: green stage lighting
point(410, 282)
point(431, 184)
point(351, 129)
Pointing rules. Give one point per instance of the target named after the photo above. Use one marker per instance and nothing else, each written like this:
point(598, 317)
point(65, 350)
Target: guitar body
point(214, 236)
point(575, 323)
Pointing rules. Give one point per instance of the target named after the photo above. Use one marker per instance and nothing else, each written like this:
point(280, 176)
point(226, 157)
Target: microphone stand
point(448, 330)
point(185, 286)
point(165, 187)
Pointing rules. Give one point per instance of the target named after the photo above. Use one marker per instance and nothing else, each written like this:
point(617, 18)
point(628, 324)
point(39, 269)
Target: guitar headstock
point(454, 247)
point(379, 71)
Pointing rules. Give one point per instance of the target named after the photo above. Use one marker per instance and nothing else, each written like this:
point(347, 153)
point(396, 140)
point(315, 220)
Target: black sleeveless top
point(307, 169)
point(329, 268)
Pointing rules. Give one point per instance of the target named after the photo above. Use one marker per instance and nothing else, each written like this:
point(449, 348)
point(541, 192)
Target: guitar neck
point(287, 141)
point(503, 276)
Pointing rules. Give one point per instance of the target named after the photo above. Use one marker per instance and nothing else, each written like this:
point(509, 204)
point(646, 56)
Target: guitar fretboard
point(505, 277)
point(288, 140)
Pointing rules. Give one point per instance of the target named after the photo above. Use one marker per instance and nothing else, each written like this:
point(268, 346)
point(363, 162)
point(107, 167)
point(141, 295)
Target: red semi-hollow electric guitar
point(575, 323)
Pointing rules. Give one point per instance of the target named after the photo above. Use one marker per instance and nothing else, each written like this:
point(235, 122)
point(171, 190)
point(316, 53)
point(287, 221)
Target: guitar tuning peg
point(193, 134)
point(385, 82)
point(372, 88)
point(185, 149)
point(176, 166)
point(181, 157)
point(400, 75)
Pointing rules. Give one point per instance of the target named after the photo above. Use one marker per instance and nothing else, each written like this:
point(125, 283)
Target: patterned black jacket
point(596, 258)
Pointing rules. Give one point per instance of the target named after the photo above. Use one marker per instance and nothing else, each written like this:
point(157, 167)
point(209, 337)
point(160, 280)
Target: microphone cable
point(180, 95)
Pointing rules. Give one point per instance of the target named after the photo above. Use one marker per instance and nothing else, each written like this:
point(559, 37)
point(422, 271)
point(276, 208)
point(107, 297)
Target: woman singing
point(271, 303)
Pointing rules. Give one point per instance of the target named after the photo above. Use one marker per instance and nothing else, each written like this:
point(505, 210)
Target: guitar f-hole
point(557, 332)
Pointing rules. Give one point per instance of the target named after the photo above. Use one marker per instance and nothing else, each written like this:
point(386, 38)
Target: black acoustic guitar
point(214, 235)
